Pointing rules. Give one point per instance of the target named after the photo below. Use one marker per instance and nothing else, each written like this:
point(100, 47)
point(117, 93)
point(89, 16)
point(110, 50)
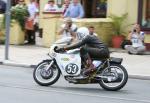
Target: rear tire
point(46, 78)
point(124, 80)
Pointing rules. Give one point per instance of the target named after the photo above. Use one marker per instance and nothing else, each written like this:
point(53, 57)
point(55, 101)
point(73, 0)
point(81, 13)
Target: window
point(95, 8)
point(144, 14)
point(100, 9)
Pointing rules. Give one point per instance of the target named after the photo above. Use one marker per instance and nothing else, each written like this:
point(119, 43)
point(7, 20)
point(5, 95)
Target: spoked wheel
point(114, 78)
point(44, 76)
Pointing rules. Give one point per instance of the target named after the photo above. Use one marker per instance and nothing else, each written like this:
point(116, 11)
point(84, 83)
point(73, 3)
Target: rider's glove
point(60, 50)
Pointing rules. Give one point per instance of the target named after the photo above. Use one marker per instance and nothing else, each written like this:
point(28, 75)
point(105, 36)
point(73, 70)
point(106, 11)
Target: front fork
point(51, 63)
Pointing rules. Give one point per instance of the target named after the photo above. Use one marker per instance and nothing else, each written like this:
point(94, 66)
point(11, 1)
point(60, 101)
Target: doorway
point(95, 8)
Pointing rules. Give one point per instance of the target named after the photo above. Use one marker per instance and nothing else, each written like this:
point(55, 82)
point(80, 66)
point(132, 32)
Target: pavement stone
point(138, 66)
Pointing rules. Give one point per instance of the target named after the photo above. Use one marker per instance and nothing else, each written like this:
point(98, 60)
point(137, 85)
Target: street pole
point(7, 26)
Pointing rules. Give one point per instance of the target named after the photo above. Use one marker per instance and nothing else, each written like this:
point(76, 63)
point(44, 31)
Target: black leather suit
point(92, 46)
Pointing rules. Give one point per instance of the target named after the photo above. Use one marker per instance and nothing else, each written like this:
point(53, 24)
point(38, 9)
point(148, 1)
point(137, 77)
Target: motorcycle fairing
point(69, 64)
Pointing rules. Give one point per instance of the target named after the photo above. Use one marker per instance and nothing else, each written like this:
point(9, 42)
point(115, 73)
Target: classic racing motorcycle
point(110, 74)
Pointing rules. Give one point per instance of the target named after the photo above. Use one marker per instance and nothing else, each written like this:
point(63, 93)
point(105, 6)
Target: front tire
point(43, 77)
point(119, 77)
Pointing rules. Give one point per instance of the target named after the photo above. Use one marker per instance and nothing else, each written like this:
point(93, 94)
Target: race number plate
point(71, 68)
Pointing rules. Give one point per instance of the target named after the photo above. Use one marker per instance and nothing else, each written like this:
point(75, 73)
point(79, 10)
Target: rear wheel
point(113, 78)
point(45, 77)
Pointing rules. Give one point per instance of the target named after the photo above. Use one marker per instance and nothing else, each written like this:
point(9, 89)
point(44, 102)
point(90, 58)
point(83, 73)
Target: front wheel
point(114, 77)
point(44, 76)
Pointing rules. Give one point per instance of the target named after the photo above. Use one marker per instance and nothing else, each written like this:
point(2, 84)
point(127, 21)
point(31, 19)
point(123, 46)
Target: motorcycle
point(110, 74)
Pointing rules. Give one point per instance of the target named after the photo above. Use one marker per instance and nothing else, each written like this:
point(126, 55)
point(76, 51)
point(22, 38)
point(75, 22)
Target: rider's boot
point(90, 67)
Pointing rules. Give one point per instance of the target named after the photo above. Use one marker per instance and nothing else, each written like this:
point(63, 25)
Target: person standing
point(30, 22)
point(65, 6)
point(75, 10)
point(137, 39)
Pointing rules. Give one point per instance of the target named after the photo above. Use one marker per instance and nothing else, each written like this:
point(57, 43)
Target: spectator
point(32, 8)
point(37, 3)
point(68, 29)
point(92, 30)
point(75, 10)
point(31, 21)
point(136, 36)
point(2, 6)
point(20, 3)
point(50, 6)
point(65, 6)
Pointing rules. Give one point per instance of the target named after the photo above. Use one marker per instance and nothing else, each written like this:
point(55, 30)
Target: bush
point(119, 23)
point(19, 14)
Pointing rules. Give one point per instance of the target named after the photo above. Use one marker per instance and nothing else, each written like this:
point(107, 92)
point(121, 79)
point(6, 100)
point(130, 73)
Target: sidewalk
point(138, 66)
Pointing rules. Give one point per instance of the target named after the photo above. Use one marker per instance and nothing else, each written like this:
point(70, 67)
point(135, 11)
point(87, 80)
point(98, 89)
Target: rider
point(90, 47)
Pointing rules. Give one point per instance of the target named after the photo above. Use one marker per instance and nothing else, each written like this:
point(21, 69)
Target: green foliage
point(1, 22)
point(19, 14)
point(119, 23)
point(2, 39)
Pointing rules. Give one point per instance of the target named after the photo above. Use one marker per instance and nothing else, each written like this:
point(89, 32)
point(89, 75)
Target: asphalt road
point(17, 86)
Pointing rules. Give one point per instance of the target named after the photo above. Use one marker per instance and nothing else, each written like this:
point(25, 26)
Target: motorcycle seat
point(99, 59)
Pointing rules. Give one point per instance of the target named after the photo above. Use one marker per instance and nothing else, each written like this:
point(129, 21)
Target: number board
point(71, 68)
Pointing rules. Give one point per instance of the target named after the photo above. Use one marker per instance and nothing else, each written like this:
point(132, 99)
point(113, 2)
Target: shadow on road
point(90, 90)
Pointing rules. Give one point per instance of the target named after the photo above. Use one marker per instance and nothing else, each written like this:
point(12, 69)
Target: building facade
point(99, 10)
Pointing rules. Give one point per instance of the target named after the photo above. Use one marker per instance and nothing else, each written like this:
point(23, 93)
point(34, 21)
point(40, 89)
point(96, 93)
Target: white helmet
point(82, 32)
